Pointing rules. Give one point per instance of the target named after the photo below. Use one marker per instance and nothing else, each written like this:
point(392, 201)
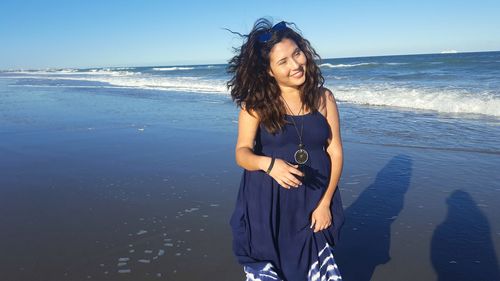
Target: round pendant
point(301, 156)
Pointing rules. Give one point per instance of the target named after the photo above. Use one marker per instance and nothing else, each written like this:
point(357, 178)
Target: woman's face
point(287, 64)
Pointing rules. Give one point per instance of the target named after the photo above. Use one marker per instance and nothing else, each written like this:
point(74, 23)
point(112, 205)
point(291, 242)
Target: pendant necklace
point(301, 154)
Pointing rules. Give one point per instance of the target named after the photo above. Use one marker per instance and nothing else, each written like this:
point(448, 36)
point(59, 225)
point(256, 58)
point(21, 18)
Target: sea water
point(437, 101)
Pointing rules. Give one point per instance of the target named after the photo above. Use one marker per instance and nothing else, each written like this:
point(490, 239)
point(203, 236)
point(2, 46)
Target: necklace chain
point(302, 125)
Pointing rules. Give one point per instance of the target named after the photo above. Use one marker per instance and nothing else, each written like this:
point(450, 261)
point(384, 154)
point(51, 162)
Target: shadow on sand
point(462, 248)
point(365, 237)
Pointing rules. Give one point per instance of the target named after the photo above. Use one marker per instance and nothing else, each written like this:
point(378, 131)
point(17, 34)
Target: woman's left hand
point(321, 218)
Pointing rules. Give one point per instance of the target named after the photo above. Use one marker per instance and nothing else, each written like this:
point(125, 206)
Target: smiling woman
point(288, 63)
point(288, 212)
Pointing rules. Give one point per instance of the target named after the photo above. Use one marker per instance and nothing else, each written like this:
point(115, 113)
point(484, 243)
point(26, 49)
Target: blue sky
point(92, 33)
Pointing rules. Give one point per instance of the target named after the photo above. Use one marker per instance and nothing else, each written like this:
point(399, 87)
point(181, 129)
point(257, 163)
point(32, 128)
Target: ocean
point(436, 101)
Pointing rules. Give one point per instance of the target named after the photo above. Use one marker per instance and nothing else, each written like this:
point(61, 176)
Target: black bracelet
point(270, 165)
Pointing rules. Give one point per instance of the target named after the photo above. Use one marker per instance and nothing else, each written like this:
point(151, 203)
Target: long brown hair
point(251, 83)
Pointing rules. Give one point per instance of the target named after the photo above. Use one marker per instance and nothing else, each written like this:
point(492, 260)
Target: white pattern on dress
point(328, 269)
point(264, 274)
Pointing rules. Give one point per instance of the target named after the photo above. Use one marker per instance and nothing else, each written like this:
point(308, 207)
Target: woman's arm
point(282, 171)
point(247, 129)
point(321, 217)
point(334, 148)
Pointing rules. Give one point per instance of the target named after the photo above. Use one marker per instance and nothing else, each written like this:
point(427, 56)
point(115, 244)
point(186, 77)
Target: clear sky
point(97, 33)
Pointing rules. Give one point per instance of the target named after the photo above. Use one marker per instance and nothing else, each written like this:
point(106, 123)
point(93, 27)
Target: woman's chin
point(298, 82)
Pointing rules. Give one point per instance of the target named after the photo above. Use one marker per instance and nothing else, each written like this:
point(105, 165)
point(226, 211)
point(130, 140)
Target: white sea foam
point(329, 65)
point(188, 84)
point(69, 70)
point(133, 80)
point(447, 101)
point(172, 68)
point(110, 71)
point(53, 73)
point(395, 63)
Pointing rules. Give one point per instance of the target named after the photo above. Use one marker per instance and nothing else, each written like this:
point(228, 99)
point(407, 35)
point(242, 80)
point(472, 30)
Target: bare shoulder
point(328, 95)
point(248, 113)
point(327, 101)
point(247, 128)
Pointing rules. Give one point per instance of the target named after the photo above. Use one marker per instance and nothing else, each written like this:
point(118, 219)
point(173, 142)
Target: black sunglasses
point(264, 37)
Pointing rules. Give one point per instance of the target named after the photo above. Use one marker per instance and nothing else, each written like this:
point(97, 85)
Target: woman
point(288, 212)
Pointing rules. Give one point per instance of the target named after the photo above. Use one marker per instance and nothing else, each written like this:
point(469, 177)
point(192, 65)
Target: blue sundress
point(272, 237)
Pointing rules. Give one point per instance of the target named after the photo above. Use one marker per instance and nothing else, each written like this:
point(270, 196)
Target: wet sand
point(419, 214)
point(114, 205)
point(150, 200)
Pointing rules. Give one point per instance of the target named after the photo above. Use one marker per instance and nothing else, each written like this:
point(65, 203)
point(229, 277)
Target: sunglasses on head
point(264, 37)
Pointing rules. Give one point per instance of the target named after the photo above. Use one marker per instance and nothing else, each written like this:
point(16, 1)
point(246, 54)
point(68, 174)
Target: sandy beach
point(114, 184)
point(116, 205)
point(124, 210)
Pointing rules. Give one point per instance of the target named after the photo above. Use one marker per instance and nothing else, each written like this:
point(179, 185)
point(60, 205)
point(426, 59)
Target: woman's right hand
point(284, 173)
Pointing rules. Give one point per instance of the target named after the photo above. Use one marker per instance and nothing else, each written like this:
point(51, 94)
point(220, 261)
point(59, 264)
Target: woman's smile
point(298, 74)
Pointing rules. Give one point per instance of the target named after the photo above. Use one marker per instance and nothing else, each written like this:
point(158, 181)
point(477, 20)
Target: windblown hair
point(253, 88)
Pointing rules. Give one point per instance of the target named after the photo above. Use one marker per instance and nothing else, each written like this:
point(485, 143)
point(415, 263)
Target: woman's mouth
point(298, 74)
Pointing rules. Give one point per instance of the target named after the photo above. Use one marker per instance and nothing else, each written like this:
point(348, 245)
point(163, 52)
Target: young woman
point(288, 211)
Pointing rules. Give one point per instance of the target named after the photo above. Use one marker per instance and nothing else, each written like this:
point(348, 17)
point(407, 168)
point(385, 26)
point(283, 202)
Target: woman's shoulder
point(328, 103)
point(325, 92)
point(249, 112)
point(325, 96)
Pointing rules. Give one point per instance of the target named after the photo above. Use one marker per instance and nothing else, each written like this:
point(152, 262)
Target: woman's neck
point(293, 101)
point(291, 94)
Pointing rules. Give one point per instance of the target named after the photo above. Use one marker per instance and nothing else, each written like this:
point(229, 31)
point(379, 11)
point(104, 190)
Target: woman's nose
point(294, 64)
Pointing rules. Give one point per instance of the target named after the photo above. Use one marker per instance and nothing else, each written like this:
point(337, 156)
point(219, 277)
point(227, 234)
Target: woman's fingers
point(294, 169)
point(285, 174)
point(296, 172)
point(289, 183)
point(292, 180)
point(319, 225)
point(313, 222)
point(317, 228)
point(283, 184)
point(286, 184)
